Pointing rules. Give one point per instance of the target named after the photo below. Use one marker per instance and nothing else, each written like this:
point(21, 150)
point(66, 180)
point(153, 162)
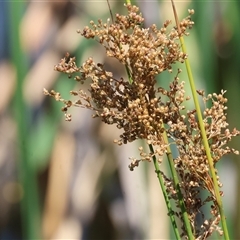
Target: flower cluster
point(144, 111)
point(191, 163)
point(146, 52)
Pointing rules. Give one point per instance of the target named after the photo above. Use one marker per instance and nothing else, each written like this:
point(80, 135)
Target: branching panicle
point(144, 111)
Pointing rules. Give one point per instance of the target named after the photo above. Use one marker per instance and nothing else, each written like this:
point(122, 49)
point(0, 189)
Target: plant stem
point(175, 180)
point(178, 189)
point(165, 195)
point(127, 69)
point(205, 144)
point(203, 132)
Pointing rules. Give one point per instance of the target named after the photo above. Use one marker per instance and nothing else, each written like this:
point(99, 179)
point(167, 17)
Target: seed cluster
point(191, 163)
point(146, 52)
point(144, 111)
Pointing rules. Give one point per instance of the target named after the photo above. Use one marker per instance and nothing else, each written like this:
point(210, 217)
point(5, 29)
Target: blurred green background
point(63, 180)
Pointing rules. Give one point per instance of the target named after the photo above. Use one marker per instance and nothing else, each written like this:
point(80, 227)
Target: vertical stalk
point(29, 205)
point(175, 180)
point(203, 132)
point(205, 144)
point(178, 190)
point(165, 195)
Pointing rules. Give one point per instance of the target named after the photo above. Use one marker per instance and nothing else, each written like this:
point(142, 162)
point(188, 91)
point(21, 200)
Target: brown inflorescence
point(142, 110)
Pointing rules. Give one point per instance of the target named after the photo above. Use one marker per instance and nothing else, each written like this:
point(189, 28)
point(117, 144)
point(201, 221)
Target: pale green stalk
point(175, 180)
point(178, 189)
point(165, 195)
point(127, 69)
point(203, 132)
point(206, 145)
point(160, 178)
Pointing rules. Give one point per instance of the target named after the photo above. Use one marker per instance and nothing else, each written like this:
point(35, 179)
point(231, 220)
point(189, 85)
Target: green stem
point(175, 179)
point(165, 195)
point(202, 129)
point(129, 75)
point(127, 69)
point(205, 143)
point(178, 189)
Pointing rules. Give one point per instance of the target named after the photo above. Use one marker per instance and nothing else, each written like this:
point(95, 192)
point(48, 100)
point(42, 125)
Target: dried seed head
point(144, 111)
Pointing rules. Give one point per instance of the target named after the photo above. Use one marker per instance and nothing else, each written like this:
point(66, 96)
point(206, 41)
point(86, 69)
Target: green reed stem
point(127, 69)
point(203, 132)
point(165, 195)
point(178, 189)
point(175, 180)
point(205, 144)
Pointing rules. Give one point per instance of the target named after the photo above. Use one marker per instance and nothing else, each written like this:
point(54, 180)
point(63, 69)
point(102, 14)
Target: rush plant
point(158, 116)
